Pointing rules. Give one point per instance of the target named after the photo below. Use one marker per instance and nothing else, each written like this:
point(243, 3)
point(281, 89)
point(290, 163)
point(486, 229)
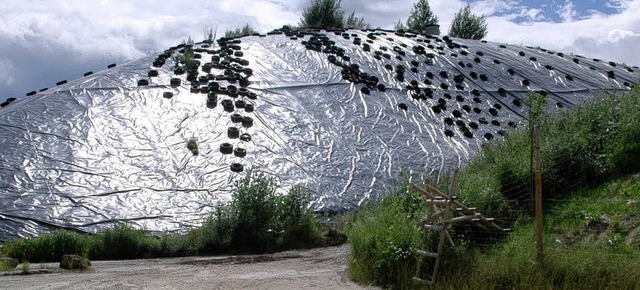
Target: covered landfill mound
point(342, 112)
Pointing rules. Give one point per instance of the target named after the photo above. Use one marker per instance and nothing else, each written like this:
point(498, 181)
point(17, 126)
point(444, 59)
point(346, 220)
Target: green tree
point(467, 25)
point(323, 13)
point(356, 22)
point(209, 33)
point(239, 32)
point(421, 16)
point(399, 26)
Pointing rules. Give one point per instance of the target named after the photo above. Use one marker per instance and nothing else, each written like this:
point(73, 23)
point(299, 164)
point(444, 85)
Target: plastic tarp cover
point(340, 112)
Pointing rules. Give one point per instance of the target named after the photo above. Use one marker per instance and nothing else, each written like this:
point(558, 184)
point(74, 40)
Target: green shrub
point(124, 242)
point(46, 248)
point(298, 225)
point(383, 237)
point(255, 213)
point(192, 145)
point(25, 267)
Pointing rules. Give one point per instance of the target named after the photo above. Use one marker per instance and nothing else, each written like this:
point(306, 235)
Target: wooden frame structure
point(443, 210)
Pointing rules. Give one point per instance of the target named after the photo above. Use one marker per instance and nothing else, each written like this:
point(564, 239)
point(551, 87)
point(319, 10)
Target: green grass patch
point(256, 220)
point(4, 266)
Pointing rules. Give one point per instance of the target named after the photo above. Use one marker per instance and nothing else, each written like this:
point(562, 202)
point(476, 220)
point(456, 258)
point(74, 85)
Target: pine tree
point(239, 32)
point(399, 26)
point(421, 17)
point(323, 14)
point(356, 22)
point(467, 25)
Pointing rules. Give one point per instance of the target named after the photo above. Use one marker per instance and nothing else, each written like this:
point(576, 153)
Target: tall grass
point(383, 238)
point(257, 220)
point(580, 148)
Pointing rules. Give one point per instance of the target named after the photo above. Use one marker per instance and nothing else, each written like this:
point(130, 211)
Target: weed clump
point(192, 145)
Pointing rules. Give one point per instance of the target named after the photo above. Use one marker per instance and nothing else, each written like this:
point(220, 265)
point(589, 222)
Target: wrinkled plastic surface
point(101, 148)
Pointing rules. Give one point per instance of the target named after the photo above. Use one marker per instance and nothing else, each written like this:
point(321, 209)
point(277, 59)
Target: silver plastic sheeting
point(341, 112)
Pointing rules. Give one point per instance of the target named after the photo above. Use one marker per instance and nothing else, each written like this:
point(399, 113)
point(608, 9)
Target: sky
point(45, 41)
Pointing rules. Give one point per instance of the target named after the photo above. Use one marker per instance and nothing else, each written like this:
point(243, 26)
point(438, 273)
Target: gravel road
point(323, 268)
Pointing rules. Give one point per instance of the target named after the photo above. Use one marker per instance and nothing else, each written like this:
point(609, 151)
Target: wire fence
point(586, 202)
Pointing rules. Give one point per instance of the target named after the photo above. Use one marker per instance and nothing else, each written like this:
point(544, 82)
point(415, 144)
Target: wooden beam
point(464, 218)
point(427, 254)
point(426, 191)
point(436, 228)
point(423, 281)
point(437, 201)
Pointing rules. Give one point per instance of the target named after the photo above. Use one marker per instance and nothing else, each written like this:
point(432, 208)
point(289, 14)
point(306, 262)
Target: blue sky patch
point(557, 10)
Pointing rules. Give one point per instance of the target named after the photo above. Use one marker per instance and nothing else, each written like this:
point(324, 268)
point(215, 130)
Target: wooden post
point(538, 197)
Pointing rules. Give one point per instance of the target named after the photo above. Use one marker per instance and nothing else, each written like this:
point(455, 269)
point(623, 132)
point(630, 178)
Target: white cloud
point(568, 12)
point(491, 7)
point(6, 67)
point(618, 45)
point(609, 37)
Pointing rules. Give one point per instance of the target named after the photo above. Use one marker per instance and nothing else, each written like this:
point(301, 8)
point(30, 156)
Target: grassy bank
point(589, 156)
point(257, 220)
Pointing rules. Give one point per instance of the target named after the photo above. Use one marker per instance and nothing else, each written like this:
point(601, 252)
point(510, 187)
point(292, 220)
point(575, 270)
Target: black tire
point(448, 133)
point(111, 65)
point(247, 122)
point(240, 152)
point(31, 93)
point(233, 133)
point(175, 82)
point(213, 86)
point(240, 104)
point(62, 82)
point(237, 167)
point(249, 108)
point(245, 137)
point(88, 73)
point(167, 95)
point(226, 148)
point(236, 118)
point(212, 100)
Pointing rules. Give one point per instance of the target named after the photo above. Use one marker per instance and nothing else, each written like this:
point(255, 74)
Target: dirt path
point(323, 268)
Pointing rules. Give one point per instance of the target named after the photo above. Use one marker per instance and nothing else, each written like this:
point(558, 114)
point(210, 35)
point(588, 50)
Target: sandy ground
point(323, 268)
